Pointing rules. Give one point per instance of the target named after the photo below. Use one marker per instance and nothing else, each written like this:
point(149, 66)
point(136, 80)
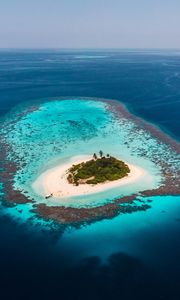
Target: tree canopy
point(97, 171)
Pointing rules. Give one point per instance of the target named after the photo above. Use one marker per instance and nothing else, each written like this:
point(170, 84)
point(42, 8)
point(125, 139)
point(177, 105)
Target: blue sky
point(90, 23)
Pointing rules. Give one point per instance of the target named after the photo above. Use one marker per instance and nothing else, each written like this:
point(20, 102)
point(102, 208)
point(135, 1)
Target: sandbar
point(54, 180)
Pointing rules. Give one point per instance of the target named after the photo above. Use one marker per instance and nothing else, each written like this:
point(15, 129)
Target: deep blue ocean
point(138, 256)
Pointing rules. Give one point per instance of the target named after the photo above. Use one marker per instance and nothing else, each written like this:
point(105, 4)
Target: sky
point(89, 23)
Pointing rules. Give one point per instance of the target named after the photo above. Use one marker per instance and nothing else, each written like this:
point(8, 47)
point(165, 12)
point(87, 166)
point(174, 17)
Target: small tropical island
point(83, 175)
point(97, 170)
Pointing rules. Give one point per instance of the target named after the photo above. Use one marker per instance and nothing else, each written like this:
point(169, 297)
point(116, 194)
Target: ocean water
point(130, 256)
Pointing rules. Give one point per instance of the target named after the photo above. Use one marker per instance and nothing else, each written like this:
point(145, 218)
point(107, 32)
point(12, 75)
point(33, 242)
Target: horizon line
point(89, 48)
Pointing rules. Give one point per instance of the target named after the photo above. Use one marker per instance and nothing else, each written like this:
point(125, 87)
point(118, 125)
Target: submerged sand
point(54, 180)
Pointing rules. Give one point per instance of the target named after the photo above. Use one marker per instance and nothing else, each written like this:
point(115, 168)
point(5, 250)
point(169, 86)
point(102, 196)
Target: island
point(83, 175)
point(98, 170)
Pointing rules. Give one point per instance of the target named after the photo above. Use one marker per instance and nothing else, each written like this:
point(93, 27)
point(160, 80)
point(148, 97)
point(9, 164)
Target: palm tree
point(95, 156)
point(101, 153)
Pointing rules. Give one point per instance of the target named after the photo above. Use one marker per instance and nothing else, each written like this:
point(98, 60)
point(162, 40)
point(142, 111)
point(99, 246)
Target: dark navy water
point(34, 264)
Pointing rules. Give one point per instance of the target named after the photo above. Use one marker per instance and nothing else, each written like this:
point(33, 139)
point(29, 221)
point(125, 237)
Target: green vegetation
point(98, 170)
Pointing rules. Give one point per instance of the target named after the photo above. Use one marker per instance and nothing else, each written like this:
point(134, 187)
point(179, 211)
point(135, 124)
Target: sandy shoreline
point(54, 180)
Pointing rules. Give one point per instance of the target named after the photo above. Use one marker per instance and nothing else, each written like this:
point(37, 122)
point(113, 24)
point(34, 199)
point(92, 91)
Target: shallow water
point(66, 128)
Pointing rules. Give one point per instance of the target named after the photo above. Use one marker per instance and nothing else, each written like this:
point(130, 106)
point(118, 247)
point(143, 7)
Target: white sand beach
point(54, 180)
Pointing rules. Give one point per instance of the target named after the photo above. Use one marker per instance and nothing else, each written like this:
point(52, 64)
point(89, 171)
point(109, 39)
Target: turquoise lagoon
point(61, 129)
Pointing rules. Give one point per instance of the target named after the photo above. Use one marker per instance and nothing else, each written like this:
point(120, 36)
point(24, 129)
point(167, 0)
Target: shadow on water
point(32, 269)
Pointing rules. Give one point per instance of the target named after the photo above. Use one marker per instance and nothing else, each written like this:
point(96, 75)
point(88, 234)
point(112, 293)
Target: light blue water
point(61, 129)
